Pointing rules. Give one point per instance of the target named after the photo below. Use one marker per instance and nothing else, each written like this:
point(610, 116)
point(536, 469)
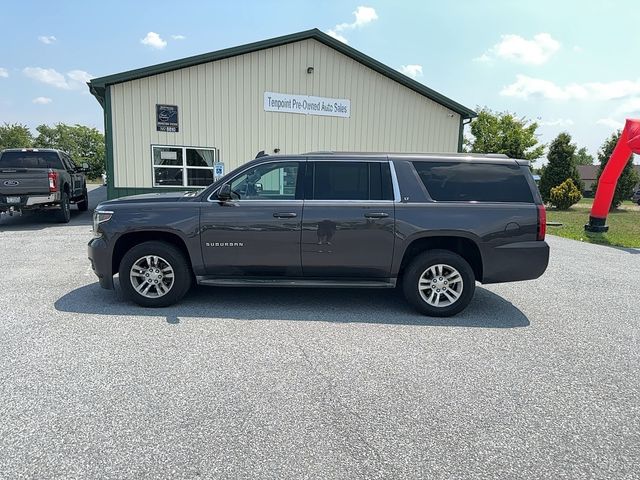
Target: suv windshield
point(30, 160)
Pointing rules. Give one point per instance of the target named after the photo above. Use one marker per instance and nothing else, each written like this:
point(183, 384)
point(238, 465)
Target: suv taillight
point(542, 222)
point(53, 181)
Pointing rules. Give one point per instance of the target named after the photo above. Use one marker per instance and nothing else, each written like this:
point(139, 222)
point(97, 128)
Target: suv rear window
point(30, 160)
point(479, 182)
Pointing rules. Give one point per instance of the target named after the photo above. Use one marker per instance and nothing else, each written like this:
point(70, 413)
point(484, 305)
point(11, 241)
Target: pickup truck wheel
point(64, 214)
point(439, 283)
point(83, 205)
point(154, 274)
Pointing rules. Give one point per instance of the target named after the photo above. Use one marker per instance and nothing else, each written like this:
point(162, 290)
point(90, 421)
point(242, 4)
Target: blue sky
point(570, 65)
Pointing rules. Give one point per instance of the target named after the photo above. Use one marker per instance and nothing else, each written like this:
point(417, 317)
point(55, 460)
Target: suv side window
point(479, 182)
point(65, 162)
point(71, 163)
point(269, 181)
point(349, 181)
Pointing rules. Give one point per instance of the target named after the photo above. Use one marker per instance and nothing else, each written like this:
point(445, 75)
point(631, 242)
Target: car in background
point(635, 198)
point(41, 179)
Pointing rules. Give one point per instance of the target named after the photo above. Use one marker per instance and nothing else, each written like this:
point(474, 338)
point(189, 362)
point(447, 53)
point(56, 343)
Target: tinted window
point(481, 182)
point(30, 160)
point(351, 181)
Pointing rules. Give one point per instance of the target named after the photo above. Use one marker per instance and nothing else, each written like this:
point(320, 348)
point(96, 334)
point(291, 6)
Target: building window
point(183, 166)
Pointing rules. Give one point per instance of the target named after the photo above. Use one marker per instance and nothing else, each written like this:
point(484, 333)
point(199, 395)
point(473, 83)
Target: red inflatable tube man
point(629, 143)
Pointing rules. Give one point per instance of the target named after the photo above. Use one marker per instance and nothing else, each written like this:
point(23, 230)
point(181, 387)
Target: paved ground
point(535, 380)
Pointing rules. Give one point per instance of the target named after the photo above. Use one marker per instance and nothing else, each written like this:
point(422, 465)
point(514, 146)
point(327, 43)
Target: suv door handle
point(285, 215)
point(376, 215)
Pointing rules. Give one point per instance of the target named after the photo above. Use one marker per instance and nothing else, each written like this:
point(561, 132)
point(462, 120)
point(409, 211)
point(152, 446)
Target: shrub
point(565, 195)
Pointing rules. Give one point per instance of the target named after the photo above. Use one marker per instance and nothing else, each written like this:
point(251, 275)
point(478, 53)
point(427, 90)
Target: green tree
point(84, 144)
point(15, 135)
point(628, 178)
point(561, 165)
point(503, 132)
point(583, 157)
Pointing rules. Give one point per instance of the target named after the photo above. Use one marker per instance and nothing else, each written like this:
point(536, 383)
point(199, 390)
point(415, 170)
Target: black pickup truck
point(434, 224)
point(41, 179)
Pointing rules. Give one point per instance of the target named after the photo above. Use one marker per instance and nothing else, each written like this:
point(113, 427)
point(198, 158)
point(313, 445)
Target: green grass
point(624, 225)
point(589, 201)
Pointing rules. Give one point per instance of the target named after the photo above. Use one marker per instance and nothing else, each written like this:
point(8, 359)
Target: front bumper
point(100, 258)
point(515, 261)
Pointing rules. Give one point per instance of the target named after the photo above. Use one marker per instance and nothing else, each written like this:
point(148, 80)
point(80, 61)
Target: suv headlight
point(100, 216)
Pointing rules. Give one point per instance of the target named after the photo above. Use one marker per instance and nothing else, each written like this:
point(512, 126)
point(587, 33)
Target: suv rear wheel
point(154, 274)
point(439, 283)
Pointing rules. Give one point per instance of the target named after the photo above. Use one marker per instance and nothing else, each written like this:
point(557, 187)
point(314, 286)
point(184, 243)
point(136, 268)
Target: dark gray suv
point(433, 224)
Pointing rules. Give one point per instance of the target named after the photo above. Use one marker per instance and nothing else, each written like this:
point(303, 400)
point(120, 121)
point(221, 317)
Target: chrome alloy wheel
point(440, 285)
point(151, 276)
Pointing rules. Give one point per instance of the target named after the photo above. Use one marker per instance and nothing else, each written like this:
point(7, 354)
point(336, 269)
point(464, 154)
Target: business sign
point(167, 118)
point(218, 169)
point(306, 105)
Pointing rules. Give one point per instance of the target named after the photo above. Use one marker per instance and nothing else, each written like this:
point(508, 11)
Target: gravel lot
point(537, 379)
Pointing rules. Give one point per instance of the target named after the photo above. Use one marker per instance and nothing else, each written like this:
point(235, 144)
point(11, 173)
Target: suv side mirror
point(224, 193)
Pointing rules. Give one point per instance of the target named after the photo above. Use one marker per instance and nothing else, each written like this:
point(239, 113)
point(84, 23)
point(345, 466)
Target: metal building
point(183, 123)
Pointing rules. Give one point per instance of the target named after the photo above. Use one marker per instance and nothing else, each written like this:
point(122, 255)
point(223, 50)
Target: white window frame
point(184, 166)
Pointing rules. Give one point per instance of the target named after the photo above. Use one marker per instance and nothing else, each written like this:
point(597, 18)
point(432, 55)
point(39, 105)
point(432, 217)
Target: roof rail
point(443, 154)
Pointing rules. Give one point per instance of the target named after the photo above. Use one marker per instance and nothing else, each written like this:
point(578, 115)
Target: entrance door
point(257, 233)
point(348, 222)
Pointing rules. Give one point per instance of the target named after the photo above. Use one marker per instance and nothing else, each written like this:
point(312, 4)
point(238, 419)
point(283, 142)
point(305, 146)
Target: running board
point(276, 282)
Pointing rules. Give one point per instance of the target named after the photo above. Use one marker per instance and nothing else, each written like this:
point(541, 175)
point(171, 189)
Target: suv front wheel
point(439, 283)
point(154, 274)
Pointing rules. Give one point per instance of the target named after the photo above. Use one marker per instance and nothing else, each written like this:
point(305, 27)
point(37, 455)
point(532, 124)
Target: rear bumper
point(29, 201)
point(515, 261)
point(100, 258)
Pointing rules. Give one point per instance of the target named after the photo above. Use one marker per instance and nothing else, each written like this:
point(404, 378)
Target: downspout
point(463, 121)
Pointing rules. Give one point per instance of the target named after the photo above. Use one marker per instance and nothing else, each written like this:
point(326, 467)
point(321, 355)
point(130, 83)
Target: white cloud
point(558, 122)
point(337, 36)
point(153, 40)
point(47, 39)
point(412, 71)
point(74, 80)
point(364, 15)
point(178, 37)
point(79, 76)
point(525, 87)
point(518, 49)
point(631, 105)
point(4, 73)
point(48, 76)
point(42, 100)
point(611, 123)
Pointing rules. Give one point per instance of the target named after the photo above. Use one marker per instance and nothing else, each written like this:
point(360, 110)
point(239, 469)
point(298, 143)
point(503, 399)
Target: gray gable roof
point(97, 85)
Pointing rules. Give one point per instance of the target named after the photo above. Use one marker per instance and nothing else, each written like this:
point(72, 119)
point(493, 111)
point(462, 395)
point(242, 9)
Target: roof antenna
point(261, 154)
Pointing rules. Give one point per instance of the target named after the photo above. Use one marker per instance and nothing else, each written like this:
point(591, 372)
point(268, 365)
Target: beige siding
point(221, 105)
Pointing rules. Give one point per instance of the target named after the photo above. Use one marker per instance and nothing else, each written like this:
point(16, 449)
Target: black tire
point(420, 265)
point(64, 213)
point(168, 254)
point(83, 205)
